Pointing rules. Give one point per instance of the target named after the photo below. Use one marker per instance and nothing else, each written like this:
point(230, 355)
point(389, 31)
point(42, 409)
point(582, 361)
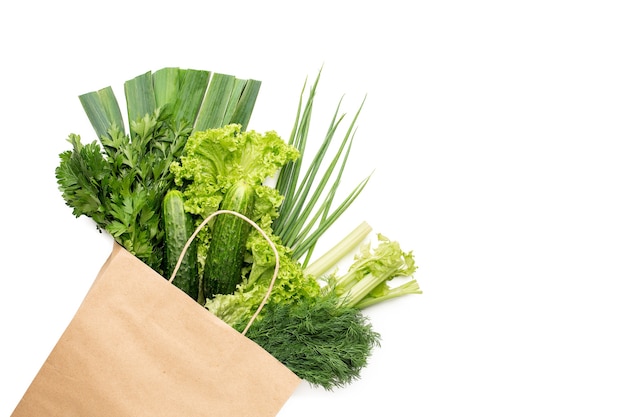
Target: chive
point(300, 210)
point(287, 181)
point(307, 244)
point(307, 210)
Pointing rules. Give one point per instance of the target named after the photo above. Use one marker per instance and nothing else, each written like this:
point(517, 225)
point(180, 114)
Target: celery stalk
point(372, 270)
point(362, 288)
point(409, 287)
point(329, 259)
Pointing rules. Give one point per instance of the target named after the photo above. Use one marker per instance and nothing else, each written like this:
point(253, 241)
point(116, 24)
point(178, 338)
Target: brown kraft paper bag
point(139, 346)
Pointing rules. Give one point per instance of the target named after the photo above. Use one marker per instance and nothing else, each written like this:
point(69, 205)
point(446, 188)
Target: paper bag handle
point(265, 236)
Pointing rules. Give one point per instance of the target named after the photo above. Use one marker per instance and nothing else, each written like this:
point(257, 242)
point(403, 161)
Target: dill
point(323, 341)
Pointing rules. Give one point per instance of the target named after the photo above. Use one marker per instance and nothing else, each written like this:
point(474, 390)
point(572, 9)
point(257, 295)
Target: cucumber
point(225, 254)
point(178, 227)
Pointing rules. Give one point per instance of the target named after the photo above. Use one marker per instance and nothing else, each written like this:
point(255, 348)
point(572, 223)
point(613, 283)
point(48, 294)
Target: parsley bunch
point(121, 184)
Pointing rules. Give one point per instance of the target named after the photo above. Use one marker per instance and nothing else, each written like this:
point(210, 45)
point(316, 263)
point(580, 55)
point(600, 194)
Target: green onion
point(307, 211)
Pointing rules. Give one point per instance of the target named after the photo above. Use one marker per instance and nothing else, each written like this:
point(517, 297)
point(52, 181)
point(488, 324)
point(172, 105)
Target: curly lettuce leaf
point(291, 284)
point(215, 159)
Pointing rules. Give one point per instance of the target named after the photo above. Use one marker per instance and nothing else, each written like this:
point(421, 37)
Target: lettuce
point(215, 159)
point(291, 285)
point(212, 161)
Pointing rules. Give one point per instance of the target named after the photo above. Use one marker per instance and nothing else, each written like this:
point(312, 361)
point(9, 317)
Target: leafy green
point(384, 292)
point(121, 181)
point(215, 159)
point(311, 331)
point(291, 285)
point(317, 331)
point(320, 339)
point(304, 218)
point(187, 131)
point(367, 280)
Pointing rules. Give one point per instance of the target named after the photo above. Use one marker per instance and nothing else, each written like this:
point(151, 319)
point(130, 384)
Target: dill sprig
point(323, 341)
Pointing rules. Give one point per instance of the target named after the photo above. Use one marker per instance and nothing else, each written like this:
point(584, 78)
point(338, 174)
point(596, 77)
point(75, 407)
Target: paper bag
point(138, 346)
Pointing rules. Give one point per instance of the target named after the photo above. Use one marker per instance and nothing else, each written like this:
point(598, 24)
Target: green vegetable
point(178, 227)
point(122, 188)
point(290, 287)
point(224, 261)
point(216, 159)
point(342, 249)
point(319, 332)
point(321, 340)
point(367, 280)
point(187, 153)
point(304, 218)
point(120, 182)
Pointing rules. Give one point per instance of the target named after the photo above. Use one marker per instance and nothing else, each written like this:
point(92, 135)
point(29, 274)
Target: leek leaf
point(102, 110)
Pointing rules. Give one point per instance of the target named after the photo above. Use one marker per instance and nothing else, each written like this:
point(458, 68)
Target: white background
point(496, 133)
